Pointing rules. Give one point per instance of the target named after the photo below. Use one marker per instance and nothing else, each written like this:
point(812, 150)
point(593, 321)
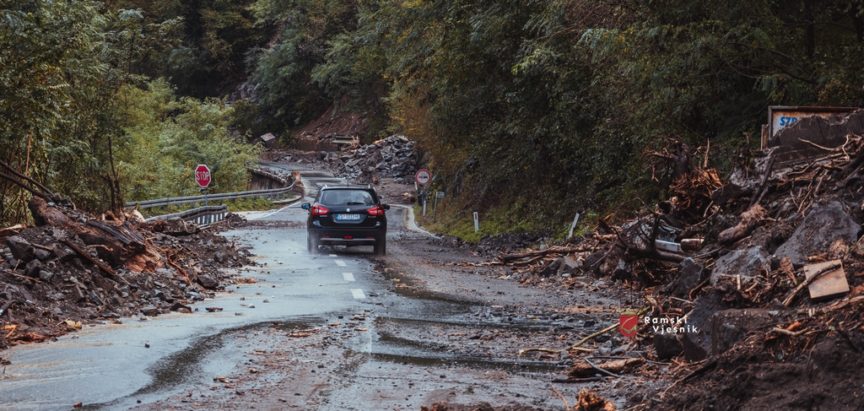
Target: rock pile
point(394, 157)
point(76, 268)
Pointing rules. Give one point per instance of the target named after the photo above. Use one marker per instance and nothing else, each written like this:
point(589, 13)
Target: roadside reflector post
point(573, 226)
point(476, 222)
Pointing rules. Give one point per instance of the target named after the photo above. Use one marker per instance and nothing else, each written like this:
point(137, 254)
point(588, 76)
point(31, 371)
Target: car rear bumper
point(347, 236)
point(344, 241)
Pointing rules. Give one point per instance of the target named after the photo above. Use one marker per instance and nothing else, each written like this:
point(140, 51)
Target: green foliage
point(204, 42)
point(52, 95)
point(168, 136)
point(72, 115)
point(559, 101)
point(529, 110)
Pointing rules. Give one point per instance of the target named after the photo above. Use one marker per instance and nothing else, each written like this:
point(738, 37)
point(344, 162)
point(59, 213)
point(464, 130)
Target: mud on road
point(430, 330)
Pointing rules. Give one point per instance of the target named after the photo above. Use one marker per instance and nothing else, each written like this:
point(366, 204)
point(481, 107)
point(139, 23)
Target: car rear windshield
point(347, 198)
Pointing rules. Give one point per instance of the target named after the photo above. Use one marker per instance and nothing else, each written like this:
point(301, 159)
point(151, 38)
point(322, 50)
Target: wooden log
point(15, 229)
point(43, 214)
point(749, 220)
point(539, 253)
point(114, 244)
point(612, 368)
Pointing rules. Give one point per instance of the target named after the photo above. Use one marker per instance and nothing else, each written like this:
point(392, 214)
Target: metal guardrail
point(161, 202)
point(201, 216)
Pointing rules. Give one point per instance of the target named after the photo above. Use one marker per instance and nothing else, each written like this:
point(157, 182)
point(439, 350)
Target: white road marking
point(271, 213)
point(348, 276)
point(358, 294)
point(332, 255)
point(340, 263)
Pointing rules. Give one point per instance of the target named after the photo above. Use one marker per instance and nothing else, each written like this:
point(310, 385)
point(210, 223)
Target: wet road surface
point(327, 331)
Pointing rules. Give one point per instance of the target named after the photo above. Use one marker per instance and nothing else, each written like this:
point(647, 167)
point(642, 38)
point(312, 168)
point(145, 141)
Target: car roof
point(348, 187)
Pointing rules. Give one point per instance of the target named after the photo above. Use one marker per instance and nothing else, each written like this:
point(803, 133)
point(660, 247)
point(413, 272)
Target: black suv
point(347, 215)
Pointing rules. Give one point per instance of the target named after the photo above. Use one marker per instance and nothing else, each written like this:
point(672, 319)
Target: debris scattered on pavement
point(590, 401)
point(74, 268)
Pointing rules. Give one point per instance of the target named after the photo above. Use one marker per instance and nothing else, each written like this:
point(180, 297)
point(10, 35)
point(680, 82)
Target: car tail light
point(319, 211)
point(376, 211)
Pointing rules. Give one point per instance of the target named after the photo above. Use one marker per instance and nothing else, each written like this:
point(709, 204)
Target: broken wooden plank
point(830, 284)
point(825, 268)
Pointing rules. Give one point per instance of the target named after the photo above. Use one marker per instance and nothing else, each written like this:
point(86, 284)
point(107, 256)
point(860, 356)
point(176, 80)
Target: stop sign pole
point(421, 179)
point(203, 178)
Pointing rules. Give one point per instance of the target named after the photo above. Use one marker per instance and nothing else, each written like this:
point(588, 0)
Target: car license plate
point(347, 217)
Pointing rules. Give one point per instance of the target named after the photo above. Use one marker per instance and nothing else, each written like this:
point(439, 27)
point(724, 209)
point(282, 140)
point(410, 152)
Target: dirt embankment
point(73, 269)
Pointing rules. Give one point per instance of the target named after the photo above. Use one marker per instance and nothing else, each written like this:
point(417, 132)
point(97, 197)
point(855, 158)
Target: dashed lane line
point(348, 277)
point(340, 263)
point(358, 294)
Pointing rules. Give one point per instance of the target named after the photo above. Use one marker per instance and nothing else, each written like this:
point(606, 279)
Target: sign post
point(203, 178)
point(422, 178)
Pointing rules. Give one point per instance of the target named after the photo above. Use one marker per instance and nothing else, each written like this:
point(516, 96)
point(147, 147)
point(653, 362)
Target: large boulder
point(733, 325)
point(690, 274)
point(719, 327)
point(747, 262)
point(697, 345)
point(824, 225)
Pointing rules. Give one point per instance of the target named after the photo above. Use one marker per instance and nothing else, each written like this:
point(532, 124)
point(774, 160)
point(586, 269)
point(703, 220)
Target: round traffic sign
point(423, 176)
point(202, 175)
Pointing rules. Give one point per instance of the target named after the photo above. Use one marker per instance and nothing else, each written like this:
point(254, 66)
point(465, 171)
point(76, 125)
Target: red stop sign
point(202, 175)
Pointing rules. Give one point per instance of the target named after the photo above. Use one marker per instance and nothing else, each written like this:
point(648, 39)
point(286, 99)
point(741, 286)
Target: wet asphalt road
point(116, 365)
point(408, 349)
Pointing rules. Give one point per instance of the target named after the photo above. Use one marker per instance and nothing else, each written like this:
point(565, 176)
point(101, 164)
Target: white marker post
point(573, 226)
point(476, 221)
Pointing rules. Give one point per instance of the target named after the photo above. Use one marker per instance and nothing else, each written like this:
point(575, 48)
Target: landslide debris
point(73, 268)
point(766, 265)
point(394, 157)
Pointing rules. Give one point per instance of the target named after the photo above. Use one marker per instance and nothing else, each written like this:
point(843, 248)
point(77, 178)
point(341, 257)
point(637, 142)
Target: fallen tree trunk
point(539, 253)
point(118, 245)
point(586, 368)
point(749, 220)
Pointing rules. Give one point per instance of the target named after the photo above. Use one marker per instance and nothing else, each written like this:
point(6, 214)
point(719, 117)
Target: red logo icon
point(628, 325)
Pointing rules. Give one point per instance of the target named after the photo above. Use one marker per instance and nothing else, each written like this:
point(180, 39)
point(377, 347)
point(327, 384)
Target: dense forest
point(517, 102)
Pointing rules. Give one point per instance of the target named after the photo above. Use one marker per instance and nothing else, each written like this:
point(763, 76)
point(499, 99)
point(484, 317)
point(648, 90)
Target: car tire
point(381, 246)
point(312, 243)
